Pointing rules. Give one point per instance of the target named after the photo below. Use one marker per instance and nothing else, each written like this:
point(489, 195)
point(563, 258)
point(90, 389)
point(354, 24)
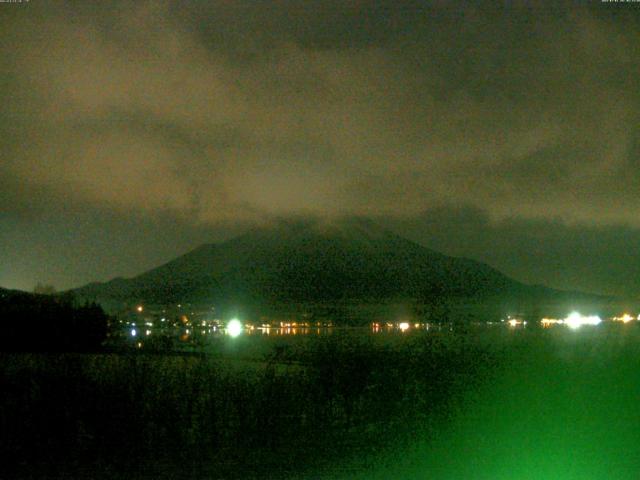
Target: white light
point(513, 322)
point(133, 332)
point(234, 327)
point(593, 320)
point(404, 326)
point(575, 320)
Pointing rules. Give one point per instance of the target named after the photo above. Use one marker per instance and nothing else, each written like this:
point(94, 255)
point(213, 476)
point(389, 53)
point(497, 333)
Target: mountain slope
point(310, 261)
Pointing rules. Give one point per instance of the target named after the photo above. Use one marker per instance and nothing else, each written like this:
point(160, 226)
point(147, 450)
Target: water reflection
point(289, 330)
point(204, 332)
point(162, 333)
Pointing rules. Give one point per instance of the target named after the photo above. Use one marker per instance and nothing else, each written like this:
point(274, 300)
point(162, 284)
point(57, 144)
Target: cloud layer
point(227, 113)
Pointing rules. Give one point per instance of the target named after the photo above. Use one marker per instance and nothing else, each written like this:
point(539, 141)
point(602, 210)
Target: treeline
point(43, 323)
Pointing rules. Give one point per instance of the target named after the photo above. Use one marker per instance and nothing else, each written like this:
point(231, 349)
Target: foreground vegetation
point(493, 403)
point(47, 323)
point(261, 408)
point(565, 406)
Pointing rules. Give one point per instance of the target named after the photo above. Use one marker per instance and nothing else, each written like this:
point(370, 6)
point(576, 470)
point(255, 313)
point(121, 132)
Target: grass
point(249, 408)
point(564, 406)
point(494, 404)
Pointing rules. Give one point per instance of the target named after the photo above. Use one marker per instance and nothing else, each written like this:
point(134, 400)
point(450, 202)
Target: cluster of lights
point(547, 322)
point(405, 326)
point(514, 322)
point(626, 318)
point(574, 320)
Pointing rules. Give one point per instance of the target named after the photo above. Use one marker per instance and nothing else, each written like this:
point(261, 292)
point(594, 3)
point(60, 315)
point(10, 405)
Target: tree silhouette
point(50, 323)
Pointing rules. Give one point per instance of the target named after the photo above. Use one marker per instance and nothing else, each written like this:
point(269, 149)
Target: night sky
point(131, 132)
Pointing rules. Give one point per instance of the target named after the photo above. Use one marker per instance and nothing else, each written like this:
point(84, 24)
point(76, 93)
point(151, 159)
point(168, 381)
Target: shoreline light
point(626, 318)
point(547, 322)
point(234, 327)
point(575, 320)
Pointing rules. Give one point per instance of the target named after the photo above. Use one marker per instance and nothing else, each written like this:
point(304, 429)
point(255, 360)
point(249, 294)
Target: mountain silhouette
point(312, 261)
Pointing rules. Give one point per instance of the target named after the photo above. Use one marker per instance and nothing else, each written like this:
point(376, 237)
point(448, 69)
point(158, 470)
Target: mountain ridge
point(313, 261)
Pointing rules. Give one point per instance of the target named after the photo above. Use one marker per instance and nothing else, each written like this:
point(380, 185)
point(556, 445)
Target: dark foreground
point(488, 404)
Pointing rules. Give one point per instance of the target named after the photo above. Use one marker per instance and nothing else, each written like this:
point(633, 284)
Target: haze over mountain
point(313, 261)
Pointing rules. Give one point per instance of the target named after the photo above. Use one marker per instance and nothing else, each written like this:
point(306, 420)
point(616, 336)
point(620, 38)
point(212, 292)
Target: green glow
point(564, 409)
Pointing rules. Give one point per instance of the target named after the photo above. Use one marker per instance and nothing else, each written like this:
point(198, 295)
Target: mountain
point(312, 261)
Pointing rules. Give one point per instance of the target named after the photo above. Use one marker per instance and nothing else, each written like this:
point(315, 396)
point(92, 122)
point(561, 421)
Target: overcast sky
point(131, 132)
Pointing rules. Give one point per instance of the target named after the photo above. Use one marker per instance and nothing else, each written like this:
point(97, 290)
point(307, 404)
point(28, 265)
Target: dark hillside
point(310, 261)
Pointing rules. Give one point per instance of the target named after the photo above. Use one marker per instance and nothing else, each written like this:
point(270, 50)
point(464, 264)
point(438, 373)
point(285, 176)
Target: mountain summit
point(310, 261)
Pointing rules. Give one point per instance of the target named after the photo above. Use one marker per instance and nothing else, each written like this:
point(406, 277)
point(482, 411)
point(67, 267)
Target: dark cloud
point(226, 113)
point(83, 244)
point(600, 259)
